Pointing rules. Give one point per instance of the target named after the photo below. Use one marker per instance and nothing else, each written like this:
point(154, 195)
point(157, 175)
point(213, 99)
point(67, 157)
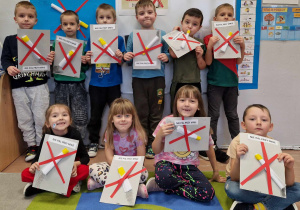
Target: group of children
point(133, 128)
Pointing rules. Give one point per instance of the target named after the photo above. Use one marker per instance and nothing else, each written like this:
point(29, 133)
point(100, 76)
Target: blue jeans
point(233, 191)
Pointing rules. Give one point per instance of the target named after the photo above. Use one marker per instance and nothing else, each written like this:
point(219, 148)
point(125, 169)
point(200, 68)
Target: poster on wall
point(127, 7)
point(280, 1)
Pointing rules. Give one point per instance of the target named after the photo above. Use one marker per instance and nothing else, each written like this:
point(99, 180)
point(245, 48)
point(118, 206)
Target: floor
point(19, 164)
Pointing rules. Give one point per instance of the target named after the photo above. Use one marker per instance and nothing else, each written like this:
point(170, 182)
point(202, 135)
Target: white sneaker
point(91, 184)
point(152, 185)
point(77, 187)
point(93, 150)
point(142, 191)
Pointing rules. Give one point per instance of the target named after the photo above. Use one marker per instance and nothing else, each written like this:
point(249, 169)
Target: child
point(71, 90)
point(193, 61)
point(148, 85)
point(177, 172)
point(29, 89)
point(58, 123)
point(105, 83)
point(222, 79)
point(257, 120)
point(124, 136)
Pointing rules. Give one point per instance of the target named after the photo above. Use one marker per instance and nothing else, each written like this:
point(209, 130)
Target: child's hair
point(123, 106)
point(194, 12)
point(106, 7)
point(25, 4)
point(260, 106)
point(47, 129)
point(144, 3)
point(223, 6)
point(189, 91)
point(69, 13)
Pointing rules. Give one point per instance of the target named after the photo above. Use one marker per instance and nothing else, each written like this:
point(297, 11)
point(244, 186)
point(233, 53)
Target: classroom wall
point(279, 71)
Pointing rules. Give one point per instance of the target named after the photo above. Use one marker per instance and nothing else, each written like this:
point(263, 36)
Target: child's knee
point(98, 172)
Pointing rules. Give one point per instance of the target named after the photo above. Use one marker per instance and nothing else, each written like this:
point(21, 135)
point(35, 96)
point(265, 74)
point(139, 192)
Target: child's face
point(187, 107)
point(59, 120)
point(225, 14)
point(257, 122)
point(105, 17)
point(25, 17)
point(190, 23)
point(146, 17)
point(69, 25)
point(122, 122)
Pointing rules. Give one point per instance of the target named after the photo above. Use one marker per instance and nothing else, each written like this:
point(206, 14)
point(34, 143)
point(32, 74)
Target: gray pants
point(74, 96)
point(31, 104)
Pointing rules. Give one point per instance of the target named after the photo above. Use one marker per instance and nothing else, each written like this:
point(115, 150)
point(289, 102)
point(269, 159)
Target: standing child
point(257, 120)
point(177, 172)
point(222, 79)
point(193, 61)
point(105, 80)
point(58, 123)
point(71, 90)
point(148, 85)
point(29, 89)
point(124, 136)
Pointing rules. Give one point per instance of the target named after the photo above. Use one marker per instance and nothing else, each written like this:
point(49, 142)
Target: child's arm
point(209, 52)
point(241, 149)
point(50, 57)
point(74, 170)
point(119, 55)
point(199, 54)
point(109, 153)
point(289, 168)
point(213, 162)
point(7, 58)
point(141, 150)
point(173, 55)
point(157, 144)
point(89, 55)
point(240, 40)
point(165, 55)
point(35, 166)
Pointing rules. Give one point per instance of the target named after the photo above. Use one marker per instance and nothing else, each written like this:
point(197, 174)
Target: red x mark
point(186, 40)
point(69, 59)
point(266, 165)
point(61, 4)
point(31, 49)
point(226, 41)
point(186, 135)
point(105, 50)
point(146, 50)
point(52, 159)
point(126, 176)
point(160, 3)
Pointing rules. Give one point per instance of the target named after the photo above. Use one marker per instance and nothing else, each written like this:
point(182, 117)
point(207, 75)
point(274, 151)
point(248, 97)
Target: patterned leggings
point(184, 180)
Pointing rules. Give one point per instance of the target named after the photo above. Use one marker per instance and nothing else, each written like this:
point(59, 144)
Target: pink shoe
point(91, 184)
point(152, 186)
point(142, 191)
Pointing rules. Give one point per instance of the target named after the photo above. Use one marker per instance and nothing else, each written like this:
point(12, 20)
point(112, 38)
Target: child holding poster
point(58, 123)
point(257, 120)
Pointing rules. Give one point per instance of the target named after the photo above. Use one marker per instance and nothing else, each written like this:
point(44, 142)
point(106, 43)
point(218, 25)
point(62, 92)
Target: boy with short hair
point(71, 90)
point(257, 120)
point(148, 85)
point(222, 79)
point(105, 84)
point(29, 89)
point(193, 61)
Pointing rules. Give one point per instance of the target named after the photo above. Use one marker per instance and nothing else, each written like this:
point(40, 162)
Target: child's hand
point(176, 28)
point(166, 129)
point(163, 57)
point(119, 54)
point(241, 150)
point(199, 51)
point(128, 56)
point(88, 56)
point(13, 71)
point(288, 160)
point(216, 177)
point(83, 59)
point(34, 167)
point(50, 57)
point(74, 170)
point(212, 41)
point(239, 40)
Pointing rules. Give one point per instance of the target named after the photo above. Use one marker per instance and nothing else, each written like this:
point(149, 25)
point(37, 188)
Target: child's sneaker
point(152, 185)
point(221, 156)
point(31, 153)
point(29, 190)
point(149, 153)
point(93, 150)
point(77, 187)
point(247, 206)
point(142, 191)
point(91, 184)
point(203, 155)
point(292, 207)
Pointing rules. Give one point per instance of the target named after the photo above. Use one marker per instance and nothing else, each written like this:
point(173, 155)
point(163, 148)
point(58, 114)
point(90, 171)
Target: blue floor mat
point(156, 200)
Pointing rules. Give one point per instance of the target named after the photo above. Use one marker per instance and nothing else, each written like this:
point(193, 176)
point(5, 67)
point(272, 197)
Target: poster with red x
point(181, 43)
point(33, 49)
point(68, 54)
point(225, 47)
point(56, 162)
point(260, 170)
point(146, 47)
point(104, 43)
point(190, 134)
point(123, 180)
